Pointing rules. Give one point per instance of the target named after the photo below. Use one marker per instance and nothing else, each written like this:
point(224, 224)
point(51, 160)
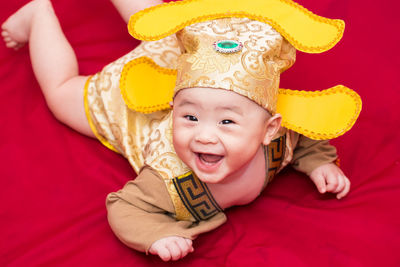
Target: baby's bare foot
point(16, 29)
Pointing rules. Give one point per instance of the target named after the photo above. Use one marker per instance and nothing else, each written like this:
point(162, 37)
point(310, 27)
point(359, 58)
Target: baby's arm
point(141, 216)
point(316, 159)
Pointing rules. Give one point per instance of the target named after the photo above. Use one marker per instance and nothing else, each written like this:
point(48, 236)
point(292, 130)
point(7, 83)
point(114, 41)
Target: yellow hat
point(242, 47)
point(236, 54)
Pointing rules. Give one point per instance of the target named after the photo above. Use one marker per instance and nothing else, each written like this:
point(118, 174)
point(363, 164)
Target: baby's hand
point(172, 247)
point(330, 178)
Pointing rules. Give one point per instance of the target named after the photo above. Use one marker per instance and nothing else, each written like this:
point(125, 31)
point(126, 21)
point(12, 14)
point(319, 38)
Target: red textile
point(54, 181)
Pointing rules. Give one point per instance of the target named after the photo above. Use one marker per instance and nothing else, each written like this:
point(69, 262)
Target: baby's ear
point(272, 127)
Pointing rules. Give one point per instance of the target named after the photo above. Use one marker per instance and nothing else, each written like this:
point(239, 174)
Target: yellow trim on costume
point(306, 31)
point(316, 114)
point(143, 85)
point(90, 121)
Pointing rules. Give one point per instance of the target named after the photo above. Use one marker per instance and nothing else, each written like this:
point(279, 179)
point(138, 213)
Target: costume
point(146, 140)
point(166, 196)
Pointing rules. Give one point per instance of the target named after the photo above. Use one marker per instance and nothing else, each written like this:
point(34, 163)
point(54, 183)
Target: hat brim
point(306, 31)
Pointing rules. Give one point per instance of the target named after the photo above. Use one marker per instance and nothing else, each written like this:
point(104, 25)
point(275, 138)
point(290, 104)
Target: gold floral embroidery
point(206, 60)
point(253, 72)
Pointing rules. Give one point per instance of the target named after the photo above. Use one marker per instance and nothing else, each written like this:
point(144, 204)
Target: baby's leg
point(53, 60)
point(129, 7)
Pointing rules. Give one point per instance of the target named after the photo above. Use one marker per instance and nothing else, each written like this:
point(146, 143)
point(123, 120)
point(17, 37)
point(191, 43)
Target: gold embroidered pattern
point(120, 128)
point(90, 120)
point(196, 196)
point(253, 72)
point(207, 61)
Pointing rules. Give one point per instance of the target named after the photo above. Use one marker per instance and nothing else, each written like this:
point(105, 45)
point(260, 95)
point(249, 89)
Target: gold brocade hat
point(237, 54)
point(242, 47)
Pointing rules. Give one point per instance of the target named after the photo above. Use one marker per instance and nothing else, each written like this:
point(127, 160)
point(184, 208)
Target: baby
point(217, 146)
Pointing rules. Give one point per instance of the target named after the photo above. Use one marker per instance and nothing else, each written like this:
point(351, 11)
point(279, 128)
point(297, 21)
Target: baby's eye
point(227, 121)
point(190, 117)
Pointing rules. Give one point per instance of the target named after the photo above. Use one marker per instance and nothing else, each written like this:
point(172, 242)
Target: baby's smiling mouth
point(209, 158)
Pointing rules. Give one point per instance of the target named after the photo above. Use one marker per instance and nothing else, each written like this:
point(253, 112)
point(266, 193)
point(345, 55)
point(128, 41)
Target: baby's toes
point(11, 44)
point(7, 39)
point(6, 36)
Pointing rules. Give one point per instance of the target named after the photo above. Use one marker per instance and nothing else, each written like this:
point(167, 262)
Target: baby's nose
point(205, 135)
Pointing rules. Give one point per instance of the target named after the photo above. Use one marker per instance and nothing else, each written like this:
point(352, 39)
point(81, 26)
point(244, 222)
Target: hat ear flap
point(145, 86)
point(319, 115)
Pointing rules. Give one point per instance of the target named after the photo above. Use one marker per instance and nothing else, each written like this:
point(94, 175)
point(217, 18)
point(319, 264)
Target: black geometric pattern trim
point(196, 196)
point(274, 156)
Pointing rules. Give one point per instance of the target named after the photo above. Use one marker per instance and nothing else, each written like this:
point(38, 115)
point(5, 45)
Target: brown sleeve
point(142, 213)
point(310, 154)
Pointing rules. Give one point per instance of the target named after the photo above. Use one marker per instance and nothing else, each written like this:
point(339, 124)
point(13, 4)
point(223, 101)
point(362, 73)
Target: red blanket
point(54, 181)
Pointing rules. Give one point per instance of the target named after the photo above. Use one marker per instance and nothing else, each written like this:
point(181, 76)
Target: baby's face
point(216, 132)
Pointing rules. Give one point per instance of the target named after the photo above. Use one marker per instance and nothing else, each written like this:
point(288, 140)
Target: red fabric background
point(54, 181)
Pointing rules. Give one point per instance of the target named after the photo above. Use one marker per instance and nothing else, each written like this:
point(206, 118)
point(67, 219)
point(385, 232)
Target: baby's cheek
point(180, 142)
point(240, 150)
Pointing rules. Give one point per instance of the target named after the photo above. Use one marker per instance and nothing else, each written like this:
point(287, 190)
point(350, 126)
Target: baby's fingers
point(175, 251)
point(162, 252)
point(340, 181)
point(171, 248)
point(345, 190)
point(189, 242)
point(331, 183)
point(185, 246)
point(320, 184)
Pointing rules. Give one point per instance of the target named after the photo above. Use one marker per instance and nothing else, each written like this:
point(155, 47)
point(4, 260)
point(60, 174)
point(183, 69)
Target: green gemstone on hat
point(228, 46)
